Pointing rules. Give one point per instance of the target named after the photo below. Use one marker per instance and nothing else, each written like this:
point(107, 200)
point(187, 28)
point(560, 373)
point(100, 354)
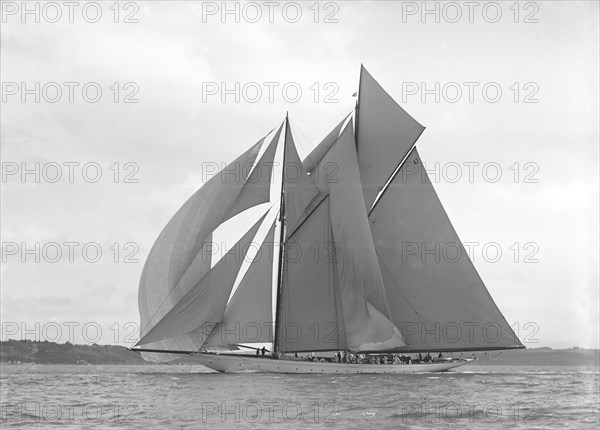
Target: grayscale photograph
point(300, 214)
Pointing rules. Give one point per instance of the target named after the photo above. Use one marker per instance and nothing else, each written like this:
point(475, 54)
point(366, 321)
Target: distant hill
point(66, 353)
point(26, 351)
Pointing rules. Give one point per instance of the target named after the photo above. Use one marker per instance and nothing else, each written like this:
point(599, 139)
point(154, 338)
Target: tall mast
point(281, 243)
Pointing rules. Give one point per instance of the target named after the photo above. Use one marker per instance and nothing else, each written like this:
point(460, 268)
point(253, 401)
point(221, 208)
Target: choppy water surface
point(189, 397)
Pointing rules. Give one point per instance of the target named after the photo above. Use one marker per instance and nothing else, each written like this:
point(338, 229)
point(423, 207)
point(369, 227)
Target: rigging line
point(306, 137)
point(299, 130)
point(393, 175)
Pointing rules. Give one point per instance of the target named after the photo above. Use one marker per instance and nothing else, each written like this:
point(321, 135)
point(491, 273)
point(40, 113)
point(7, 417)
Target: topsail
point(368, 258)
point(385, 134)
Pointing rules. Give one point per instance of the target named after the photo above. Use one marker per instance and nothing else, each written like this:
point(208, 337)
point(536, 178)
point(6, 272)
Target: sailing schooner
point(368, 261)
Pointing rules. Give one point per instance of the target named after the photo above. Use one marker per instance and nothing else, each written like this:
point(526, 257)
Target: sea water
point(191, 396)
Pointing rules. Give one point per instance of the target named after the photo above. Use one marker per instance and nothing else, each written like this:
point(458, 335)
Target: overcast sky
point(546, 115)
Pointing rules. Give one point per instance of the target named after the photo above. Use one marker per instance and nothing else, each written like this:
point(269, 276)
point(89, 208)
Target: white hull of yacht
point(231, 363)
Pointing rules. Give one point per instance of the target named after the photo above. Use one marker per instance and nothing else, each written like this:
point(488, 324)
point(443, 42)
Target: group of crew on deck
point(348, 357)
point(381, 358)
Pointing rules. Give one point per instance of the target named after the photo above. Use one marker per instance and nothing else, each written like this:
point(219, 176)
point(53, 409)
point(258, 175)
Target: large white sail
point(310, 312)
point(364, 303)
point(385, 133)
point(180, 247)
point(248, 316)
point(203, 306)
point(436, 295)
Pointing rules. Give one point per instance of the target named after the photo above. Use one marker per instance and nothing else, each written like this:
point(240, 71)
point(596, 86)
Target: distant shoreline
point(21, 352)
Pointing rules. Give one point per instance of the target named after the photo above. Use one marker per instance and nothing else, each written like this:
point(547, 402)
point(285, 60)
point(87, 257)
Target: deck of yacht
point(230, 363)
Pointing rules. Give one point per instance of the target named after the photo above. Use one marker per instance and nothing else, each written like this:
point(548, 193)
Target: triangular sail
point(313, 159)
point(364, 303)
point(180, 248)
point(298, 186)
point(203, 306)
point(385, 133)
point(310, 312)
point(437, 298)
point(248, 316)
point(257, 187)
point(323, 170)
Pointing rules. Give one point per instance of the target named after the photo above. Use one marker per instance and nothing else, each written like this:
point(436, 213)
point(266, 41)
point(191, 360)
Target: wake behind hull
point(235, 363)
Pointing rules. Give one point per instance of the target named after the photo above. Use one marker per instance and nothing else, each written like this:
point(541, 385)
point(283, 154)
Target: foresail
point(437, 298)
point(203, 306)
point(310, 313)
point(385, 133)
point(364, 302)
point(180, 248)
point(248, 316)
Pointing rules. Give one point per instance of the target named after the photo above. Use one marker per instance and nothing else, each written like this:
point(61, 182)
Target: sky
point(510, 92)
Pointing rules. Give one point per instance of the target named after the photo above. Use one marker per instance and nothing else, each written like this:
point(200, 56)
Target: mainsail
point(368, 259)
point(311, 310)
